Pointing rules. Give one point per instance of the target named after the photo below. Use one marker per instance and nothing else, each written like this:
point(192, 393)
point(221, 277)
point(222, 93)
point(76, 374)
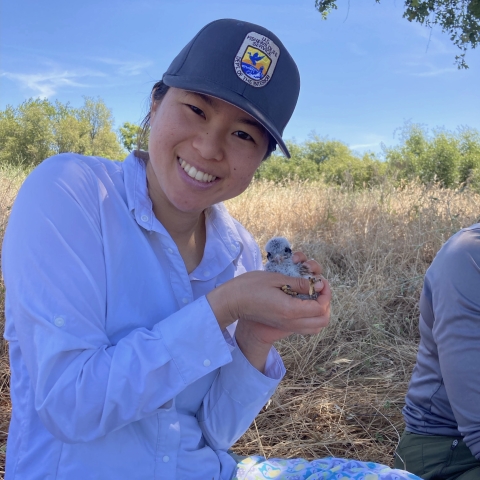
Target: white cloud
point(126, 68)
point(433, 72)
point(426, 69)
point(44, 85)
point(361, 146)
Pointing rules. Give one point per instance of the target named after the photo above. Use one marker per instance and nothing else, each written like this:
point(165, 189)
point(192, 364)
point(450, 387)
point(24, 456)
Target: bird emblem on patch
point(255, 63)
point(256, 59)
point(279, 259)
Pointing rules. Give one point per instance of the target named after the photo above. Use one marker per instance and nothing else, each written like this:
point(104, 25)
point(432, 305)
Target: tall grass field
point(345, 387)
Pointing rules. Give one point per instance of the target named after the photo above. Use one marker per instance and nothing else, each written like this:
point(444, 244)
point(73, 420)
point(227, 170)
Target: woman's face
point(202, 150)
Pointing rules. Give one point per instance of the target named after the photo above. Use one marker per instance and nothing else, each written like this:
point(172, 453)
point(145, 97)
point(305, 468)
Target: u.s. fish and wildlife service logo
point(256, 59)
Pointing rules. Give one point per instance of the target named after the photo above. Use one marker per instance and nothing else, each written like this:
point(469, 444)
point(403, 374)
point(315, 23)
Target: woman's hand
point(265, 313)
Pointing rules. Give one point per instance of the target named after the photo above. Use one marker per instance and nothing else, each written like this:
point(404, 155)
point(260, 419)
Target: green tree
point(451, 159)
point(37, 129)
point(469, 164)
point(97, 130)
point(352, 171)
point(68, 129)
point(278, 168)
point(26, 134)
point(440, 164)
point(319, 150)
point(460, 19)
point(403, 161)
point(330, 160)
point(129, 133)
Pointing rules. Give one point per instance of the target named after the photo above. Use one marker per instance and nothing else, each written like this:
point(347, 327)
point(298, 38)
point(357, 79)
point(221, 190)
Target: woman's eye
point(197, 110)
point(243, 135)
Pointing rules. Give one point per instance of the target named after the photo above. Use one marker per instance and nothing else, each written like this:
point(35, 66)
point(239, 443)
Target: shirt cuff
point(194, 340)
point(245, 384)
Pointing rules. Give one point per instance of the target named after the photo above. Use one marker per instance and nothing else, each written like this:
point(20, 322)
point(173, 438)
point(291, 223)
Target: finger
point(318, 285)
point(294, 307)
point(309, 326)
point(298, 257)
point(314, 267)
point(298, 284)
point(326, 292)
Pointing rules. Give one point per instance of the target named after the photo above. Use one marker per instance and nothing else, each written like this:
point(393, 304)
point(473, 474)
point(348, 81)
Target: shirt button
point(206, 273)
point(233, 247)
point(170, 250)
point(59, 322)
point(166, 458)
point(206, 363)
point(144, 218)
point(185, 300)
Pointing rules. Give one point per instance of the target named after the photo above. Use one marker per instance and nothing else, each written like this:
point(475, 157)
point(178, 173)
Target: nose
point(209, 144)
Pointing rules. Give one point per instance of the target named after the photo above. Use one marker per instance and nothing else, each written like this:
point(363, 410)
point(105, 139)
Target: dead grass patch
point(345, 387)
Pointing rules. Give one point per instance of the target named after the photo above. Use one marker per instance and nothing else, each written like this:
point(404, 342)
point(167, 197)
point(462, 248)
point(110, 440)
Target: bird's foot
point(311, 289)
point(312, 294)
point(288, 290)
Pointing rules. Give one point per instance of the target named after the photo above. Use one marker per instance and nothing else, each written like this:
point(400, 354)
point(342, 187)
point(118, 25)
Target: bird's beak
point(278, 258)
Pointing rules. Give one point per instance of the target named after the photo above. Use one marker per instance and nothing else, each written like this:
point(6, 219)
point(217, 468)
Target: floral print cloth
point(330, 468)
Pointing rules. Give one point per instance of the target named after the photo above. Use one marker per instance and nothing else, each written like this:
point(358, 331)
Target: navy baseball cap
point(245, 65)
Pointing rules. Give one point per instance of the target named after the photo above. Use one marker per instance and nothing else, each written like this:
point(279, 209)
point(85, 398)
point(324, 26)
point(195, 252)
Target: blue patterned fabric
point(330, 468)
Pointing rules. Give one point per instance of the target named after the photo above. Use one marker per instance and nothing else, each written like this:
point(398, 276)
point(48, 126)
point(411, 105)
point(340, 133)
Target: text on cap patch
point(256, 59)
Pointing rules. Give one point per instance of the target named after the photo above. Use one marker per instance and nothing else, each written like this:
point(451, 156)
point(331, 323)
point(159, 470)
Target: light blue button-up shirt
point(119, 369)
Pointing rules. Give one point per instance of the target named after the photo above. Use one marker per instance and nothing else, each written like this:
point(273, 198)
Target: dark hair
point(159, 90)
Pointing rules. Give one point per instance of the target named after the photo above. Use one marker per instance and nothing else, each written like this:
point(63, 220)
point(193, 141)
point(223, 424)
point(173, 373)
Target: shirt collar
point(219, 224)
point(138, 201)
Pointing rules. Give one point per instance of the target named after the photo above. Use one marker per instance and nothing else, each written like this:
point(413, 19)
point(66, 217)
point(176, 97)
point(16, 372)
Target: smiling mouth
point(194, 173)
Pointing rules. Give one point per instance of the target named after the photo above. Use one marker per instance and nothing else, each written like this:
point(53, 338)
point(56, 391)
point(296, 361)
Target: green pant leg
point(473, 474)
point(436, 457)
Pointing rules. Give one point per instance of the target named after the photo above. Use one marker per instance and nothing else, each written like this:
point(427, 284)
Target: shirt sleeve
point(54, 269)
point(235, 398)
point(240, 390)
point(455, 284)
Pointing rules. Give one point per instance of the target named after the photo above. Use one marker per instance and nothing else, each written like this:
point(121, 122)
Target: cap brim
point(214, 90)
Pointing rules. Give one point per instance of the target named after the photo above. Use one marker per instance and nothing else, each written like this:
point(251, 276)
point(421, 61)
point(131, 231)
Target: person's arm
point(54, 270)
point(244, 386)
point(455, 284)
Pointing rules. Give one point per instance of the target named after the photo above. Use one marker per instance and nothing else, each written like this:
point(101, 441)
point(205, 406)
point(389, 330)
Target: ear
point(153, 108)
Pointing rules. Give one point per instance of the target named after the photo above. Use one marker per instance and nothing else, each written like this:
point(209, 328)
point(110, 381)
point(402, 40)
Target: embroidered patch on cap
point(256, 59)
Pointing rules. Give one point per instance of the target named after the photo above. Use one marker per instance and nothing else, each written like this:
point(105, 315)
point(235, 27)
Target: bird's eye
point(288, 250)
point(269, 256)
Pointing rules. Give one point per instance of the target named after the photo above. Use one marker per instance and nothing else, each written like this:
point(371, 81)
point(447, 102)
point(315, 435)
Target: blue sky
point(364, 72)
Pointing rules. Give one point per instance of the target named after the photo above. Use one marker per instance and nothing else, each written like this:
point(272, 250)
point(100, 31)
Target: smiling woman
point(140, 324)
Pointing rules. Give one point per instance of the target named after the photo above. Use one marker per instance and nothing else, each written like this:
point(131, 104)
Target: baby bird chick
point(279, 259)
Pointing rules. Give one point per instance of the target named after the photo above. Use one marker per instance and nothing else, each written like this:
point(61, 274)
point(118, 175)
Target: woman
point(124, 281)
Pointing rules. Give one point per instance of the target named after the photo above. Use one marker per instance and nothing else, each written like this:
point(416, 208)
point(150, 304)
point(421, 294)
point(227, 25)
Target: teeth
point(194, 173)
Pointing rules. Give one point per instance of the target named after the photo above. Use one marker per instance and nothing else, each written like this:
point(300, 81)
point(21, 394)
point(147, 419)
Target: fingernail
point(318, 284)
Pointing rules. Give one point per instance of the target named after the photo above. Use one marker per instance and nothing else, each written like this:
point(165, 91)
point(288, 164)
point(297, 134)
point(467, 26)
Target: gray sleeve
point(455, 284)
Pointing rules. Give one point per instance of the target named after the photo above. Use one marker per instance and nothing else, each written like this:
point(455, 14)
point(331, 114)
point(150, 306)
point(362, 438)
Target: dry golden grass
point(10, 181)
point(345, 387)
